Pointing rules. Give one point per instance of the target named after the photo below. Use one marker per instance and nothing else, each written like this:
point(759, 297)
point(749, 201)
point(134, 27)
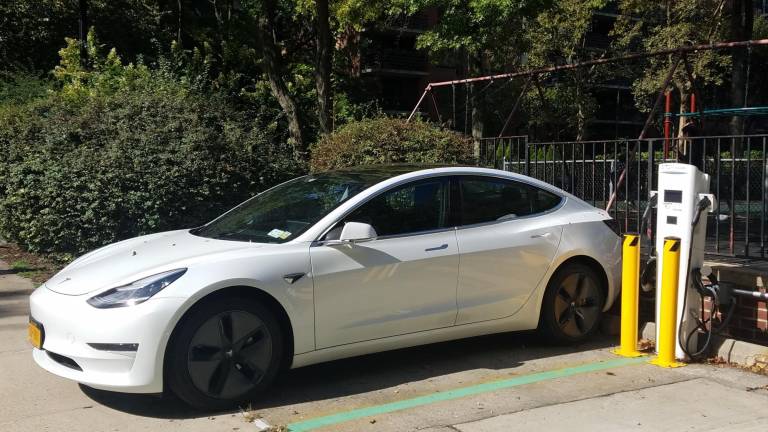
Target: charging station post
point(682, 189)
point(630, 293)
point(667, 318)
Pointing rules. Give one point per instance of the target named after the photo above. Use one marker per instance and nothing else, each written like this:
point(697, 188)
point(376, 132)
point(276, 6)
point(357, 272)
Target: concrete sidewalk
point(636, 396)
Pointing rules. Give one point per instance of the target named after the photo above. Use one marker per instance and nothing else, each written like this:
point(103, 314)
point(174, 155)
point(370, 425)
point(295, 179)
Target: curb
point(730, 350)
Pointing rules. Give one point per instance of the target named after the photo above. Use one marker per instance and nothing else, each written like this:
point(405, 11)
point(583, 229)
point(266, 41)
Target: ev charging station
point(683, 193)
point(680, 230)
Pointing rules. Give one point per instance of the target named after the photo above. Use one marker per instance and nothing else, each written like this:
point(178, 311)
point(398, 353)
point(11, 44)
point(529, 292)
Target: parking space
point(493, 383)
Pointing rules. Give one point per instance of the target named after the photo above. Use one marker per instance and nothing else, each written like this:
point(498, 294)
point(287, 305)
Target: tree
point(273, 68)
point(323, 62)
point(651, 26)
point(741, 21)
point(556, 39)
point(487, 35)
point(32, 32)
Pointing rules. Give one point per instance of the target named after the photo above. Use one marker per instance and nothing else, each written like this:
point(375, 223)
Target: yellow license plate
point(35, 334)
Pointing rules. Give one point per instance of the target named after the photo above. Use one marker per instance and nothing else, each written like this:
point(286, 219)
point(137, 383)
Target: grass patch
point(36, 267)
point(20, 266)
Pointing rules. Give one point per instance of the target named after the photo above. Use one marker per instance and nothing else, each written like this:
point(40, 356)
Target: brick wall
point(750, 319)
point(749, 322)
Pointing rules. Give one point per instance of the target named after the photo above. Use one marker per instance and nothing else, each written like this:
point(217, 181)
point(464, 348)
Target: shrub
point(150, 154)
point(387, 140)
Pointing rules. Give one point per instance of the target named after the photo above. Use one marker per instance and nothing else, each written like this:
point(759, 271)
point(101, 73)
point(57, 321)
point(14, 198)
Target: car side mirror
point(356, 232)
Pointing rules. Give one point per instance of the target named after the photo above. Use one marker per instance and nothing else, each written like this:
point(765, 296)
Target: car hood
point(132, 259)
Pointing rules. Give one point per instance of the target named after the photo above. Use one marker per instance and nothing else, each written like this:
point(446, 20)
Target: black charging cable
point(646, 276)
point(703, 205)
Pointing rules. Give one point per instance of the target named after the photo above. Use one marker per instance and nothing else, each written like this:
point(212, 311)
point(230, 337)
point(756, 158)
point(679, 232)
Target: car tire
point(573, 304)
point(225, 352)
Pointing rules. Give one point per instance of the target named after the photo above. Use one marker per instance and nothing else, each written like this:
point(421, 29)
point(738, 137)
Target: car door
point(506, 241)
point(403, 281)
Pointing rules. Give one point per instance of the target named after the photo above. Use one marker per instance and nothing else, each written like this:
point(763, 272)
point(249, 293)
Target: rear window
point(487, 199)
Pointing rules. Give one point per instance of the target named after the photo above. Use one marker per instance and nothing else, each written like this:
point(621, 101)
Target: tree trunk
point(478, 67)
point(682, 143)
point(323, 64)
point(178, 28)
point(477, 117)
point(273, 68)
point(581, 115)
point(82, 6)
point(742, 17)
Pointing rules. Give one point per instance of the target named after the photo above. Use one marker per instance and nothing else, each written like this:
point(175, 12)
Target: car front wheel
point(226, 352)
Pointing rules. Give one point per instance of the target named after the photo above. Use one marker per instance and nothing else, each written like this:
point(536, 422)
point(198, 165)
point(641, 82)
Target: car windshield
point(285, 211)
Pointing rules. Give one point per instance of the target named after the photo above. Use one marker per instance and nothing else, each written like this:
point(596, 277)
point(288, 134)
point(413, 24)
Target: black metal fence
point(591, 171)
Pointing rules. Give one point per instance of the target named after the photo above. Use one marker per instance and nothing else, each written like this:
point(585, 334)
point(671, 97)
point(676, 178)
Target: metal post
point(693, 103)
point(651, 167)
point(514, 108)
point(602, 61)
point(630, 296)
point(437, 108)
point(670, 270)
point(527, 159)
point(418, 104)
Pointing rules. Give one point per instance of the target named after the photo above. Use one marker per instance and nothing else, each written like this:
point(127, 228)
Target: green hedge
point(151, 155)
point(387, 140)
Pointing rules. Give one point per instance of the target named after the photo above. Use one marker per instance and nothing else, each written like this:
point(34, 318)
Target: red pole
point(667, 122)
point(693, 103)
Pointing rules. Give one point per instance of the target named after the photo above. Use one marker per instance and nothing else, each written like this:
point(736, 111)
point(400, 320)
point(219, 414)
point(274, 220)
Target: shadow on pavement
point(14, 302)
point(369, 373)
point(16, 271)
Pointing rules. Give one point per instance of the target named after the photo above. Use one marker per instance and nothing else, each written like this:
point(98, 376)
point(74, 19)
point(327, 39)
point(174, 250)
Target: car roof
point(385, 171)
point(402, 171)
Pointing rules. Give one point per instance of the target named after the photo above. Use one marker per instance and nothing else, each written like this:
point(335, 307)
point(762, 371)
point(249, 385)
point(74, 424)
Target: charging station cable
point(702, 206)
point(649, 270)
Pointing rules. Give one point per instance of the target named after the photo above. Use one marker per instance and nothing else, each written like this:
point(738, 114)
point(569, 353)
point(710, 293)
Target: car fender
point(586, 239)
point(296, 298)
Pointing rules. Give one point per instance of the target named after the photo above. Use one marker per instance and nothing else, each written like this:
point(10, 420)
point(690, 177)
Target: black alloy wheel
point(572, 305)
point(226, 352)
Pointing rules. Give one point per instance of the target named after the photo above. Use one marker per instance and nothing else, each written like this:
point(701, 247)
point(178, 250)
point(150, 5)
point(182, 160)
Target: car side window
point(542, 201)
point(488, 199)
point(414, 207)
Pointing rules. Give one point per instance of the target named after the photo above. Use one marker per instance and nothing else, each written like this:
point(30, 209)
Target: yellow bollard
point(630, 296)
point(670, 270)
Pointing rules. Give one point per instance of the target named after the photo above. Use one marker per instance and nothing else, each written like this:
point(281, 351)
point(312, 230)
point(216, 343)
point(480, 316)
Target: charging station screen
point(673, 196)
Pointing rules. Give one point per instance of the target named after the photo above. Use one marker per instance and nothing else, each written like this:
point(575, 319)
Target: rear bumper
point(72, 326)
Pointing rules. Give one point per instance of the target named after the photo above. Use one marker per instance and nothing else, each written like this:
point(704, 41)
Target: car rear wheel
point(573, 304)
point(226, 352)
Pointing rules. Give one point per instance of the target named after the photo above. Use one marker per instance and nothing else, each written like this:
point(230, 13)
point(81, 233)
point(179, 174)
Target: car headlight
point(135, 292)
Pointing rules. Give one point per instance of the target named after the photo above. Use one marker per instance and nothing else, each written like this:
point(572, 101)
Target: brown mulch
point(37, 267)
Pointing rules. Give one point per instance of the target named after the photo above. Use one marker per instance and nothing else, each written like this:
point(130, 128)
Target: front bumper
point(71, 324)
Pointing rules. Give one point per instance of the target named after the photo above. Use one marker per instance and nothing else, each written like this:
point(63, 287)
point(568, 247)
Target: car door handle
point(441, 247)
point(542, 235)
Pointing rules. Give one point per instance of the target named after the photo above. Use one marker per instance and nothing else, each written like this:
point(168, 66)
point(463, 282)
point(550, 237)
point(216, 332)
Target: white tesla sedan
point(322, 267)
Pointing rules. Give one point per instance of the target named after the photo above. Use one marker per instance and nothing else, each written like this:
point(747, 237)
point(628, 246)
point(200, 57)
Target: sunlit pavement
point(495, 383)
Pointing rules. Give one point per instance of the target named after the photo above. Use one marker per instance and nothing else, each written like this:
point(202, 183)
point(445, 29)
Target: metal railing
point(590, 170)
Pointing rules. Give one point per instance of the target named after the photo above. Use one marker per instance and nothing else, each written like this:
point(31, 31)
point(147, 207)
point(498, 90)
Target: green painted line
point(461, 392)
